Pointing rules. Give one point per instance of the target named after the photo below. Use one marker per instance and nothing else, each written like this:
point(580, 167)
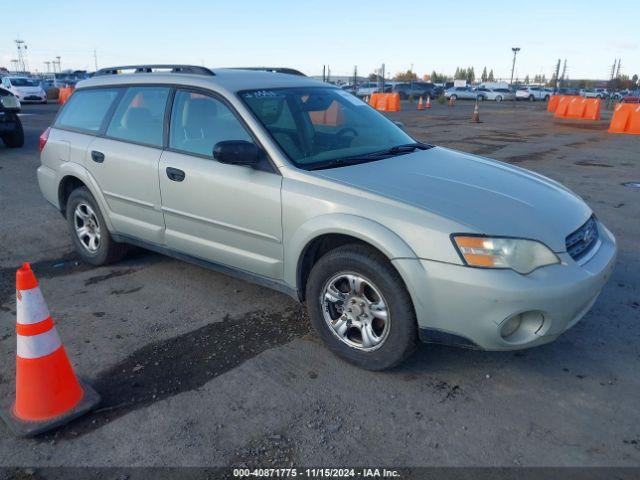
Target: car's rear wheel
point(454, 97)
point(360, 308)
point(14, 139)
point(532, 98)
point(546, 98)
point(89, 232)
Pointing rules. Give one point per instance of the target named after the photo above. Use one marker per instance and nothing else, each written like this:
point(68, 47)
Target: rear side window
point(140, 116)
point(200, 121)
point(86, 109)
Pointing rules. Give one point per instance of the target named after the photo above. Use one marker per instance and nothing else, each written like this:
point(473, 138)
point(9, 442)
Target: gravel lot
point(197, 368)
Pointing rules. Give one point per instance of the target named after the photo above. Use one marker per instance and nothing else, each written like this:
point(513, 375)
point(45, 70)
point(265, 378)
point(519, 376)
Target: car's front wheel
point(532, 98)
point(454, 97)
point(89, 231)
point(498, 98)
point(359, 306)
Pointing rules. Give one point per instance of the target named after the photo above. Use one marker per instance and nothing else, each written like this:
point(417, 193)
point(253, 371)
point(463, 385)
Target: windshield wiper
point(369, 157)
point(410, 147)
point(389, 152)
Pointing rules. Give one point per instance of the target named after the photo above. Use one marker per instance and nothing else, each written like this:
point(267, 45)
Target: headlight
point(521, 255)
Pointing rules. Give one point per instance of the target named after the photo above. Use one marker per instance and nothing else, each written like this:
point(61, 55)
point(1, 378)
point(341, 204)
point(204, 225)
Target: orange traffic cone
point(420, 107)
point(475, 118)
point(428, 105)
point(48, 394)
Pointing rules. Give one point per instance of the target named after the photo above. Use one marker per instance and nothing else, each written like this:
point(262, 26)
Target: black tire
point(499, 98)
point(108, 251)
point(402, 335)
point(546, 98)
point(454, 97)
point(14, 139)
point(532, 98)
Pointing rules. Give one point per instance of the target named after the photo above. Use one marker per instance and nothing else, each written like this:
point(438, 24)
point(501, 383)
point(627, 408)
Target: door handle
point(97, 157)
point(175, 174)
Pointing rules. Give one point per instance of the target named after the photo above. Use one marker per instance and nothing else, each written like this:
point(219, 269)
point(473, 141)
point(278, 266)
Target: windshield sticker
point(262, 94)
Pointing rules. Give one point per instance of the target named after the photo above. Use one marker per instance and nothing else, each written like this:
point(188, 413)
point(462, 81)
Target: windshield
point(314, 125)
point(24, 82)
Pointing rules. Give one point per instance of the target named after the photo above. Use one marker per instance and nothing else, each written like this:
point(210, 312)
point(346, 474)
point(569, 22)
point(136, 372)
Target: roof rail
point(290, 71)
point(195, 69)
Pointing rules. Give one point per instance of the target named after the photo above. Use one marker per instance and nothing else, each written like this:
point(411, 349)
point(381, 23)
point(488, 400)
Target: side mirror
point(237, 152)
point(400, 125)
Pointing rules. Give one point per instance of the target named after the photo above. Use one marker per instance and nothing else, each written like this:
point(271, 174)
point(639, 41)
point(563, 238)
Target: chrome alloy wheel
point(355, 311)
point(87, 227)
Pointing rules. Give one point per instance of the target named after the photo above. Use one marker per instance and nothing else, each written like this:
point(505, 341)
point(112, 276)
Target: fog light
point(510, 326)
point(523, 327)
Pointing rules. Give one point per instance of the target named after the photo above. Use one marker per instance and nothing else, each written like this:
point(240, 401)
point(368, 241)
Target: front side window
point(200, 121)
point(86, 109)
point(140, 116)
point(314, 125)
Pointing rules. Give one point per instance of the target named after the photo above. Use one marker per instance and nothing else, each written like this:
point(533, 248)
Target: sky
point(307, 34)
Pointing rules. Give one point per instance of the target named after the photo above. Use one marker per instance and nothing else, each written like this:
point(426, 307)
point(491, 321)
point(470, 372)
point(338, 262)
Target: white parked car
point(462, 93)
point(601, 93)
point(367, 88)
point(533, 93)
point(26, 89)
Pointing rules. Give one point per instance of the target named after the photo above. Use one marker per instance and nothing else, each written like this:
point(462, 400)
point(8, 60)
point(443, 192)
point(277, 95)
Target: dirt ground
point(197, 368)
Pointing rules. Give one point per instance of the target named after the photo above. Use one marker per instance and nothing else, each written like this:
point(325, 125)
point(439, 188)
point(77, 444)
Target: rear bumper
point(48, 182)
point(472, 305)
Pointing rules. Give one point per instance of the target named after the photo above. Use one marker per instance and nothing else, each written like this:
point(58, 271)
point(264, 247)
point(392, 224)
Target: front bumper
point(472, 304)
point(32, 98)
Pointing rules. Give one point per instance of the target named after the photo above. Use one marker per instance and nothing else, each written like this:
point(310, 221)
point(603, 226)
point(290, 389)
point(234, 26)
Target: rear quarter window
point(86, 109)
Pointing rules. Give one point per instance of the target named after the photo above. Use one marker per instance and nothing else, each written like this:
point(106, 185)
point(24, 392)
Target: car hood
point(29, 90)
point(486, 196)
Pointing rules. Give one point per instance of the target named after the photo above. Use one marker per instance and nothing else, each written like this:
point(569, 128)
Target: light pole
point(513, 66)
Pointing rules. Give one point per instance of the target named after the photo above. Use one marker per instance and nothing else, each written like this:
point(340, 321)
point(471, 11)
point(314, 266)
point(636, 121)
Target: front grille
point(580, 242)
point(32, 97)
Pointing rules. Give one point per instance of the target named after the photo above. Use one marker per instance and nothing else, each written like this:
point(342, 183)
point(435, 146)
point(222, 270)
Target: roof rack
point(290, 71)
point(194, 69)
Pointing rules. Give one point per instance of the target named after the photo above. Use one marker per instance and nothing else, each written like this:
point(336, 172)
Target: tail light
point(42, 141)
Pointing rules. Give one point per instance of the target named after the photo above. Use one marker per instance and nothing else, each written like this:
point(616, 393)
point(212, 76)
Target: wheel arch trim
point(71, 169)
point(363, 229)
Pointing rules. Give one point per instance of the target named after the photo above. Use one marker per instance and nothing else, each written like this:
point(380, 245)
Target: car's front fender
point(366, 230)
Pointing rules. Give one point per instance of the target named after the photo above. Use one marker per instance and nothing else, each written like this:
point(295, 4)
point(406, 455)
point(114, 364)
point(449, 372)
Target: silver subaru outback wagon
point(298, 185)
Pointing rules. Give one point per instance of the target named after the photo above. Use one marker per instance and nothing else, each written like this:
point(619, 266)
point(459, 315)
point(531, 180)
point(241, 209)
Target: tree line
point(468, 74)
